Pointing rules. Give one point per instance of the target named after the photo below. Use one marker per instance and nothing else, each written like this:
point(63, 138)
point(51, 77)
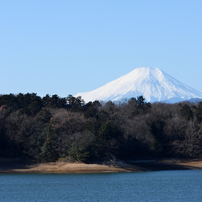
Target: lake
point(185, 185)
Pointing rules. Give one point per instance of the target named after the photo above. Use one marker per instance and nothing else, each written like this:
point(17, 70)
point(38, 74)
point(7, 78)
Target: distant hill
point(152, 83)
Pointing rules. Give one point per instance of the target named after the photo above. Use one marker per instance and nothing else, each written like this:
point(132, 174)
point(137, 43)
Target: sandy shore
point(134, 166)
point(62, 167)
point(196, 164)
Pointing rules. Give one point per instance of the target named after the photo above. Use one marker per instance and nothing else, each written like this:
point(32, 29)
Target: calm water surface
point(141, 186)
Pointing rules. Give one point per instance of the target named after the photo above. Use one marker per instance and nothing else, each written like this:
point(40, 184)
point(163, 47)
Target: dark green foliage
point(159, 143)
point(51, 127)
point(140, 101)
point(91, 109)
point(78, 153)
point(135, 149)
point(186, 112)
point(199, 111)
point(107, 131)
point(157, 129)
point(75, 104)
point(48, 152)
point(4, 143)
point(138, 106)
point(44, 115)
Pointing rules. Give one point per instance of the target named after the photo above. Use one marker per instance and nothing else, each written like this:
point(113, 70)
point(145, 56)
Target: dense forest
point(53, 128)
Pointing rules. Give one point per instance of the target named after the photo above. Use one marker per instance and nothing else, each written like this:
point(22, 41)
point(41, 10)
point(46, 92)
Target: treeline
point(53, 128)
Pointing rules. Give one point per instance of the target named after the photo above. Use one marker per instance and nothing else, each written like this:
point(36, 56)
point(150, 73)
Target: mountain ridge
point(152, 83)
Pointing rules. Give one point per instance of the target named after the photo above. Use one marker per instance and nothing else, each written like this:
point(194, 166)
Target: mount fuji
point(152, 83)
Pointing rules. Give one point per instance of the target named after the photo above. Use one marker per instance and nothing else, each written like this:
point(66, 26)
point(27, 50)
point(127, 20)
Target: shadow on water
point(149, 165)
point(8, 165)
point(158, 166)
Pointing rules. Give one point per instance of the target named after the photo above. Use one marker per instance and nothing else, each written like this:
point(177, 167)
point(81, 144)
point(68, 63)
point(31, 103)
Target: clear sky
point(68, 46)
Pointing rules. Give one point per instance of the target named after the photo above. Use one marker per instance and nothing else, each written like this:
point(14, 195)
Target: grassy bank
point(63, 167)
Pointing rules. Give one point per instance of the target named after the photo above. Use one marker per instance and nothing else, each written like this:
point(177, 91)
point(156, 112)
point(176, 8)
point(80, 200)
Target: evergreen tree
point(48, 153)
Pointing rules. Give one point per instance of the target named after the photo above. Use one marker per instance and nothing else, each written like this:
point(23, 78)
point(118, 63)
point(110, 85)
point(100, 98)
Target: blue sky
point(68, 46)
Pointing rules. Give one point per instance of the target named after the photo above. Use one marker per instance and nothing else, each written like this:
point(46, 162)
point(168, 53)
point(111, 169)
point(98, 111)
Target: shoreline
point(130, 166)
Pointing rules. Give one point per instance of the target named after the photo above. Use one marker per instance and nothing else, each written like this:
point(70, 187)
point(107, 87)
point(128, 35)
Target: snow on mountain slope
point(152, 83)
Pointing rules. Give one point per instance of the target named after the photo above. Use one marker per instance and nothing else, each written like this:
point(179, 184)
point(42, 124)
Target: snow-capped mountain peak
point(151, 82)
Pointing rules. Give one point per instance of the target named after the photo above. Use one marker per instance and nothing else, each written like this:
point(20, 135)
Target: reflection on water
point(142, 186)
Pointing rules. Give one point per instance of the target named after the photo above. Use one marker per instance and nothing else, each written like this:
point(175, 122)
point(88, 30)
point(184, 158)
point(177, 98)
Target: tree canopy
point(51, 128)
